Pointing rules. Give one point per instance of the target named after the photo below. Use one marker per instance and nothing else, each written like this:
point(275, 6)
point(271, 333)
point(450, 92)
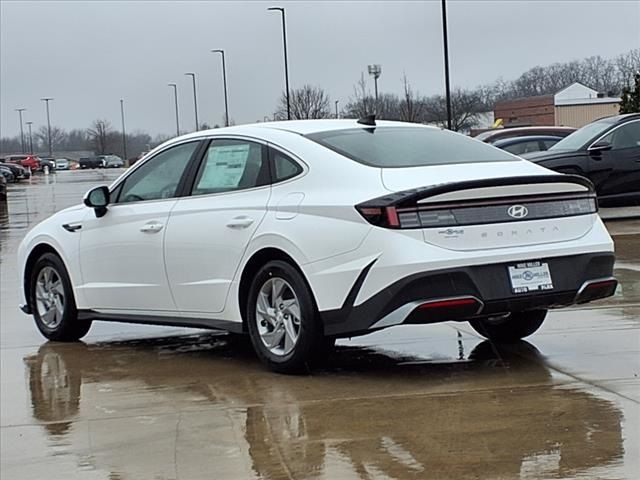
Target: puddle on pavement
point(131, 407)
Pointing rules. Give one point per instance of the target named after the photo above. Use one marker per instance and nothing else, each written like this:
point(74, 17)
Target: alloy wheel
point(50, 297)
point(278, 316)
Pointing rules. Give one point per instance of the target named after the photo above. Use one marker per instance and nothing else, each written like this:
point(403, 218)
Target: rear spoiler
point(407, 198)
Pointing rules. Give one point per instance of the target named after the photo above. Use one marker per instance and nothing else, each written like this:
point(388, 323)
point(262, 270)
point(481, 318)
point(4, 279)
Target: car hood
point(548, 155)
point(396, 179)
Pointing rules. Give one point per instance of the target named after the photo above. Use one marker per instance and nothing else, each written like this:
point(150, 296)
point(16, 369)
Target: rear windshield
point(392, 147)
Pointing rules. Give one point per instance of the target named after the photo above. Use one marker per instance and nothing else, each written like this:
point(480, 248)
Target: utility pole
point(375, 71)
point(124, 135)
point(195, 100)
point(30, 138)
point(286, 62)
point(446, 62)
point(175, 99)
point(20, 110)
point(224, 80)
point(47, 100)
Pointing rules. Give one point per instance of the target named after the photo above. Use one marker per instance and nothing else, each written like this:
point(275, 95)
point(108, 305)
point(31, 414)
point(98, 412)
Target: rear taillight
point(380, 216)
point(477, 211)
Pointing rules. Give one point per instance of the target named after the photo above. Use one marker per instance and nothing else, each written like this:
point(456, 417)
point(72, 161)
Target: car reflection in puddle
point(129, 407)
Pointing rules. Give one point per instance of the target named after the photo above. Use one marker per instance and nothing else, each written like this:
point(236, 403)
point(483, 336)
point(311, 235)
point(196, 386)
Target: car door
point(121, 253)
point(617, 170)
point(208, 231)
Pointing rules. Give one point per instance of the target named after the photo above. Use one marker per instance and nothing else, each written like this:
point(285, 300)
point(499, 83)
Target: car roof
point(302, 127)
point(527, 138)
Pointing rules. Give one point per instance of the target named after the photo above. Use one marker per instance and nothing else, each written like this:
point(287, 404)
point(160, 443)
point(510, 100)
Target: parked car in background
point(62, 164)
point(7, 174)
point(491, 136)
point(48, 162)
point(607, 152)
point(3, 189)
point(113, 161)
point(249, 229)
point(520, 145)
point(91, 162)
point(18, 171)
point(28, 161)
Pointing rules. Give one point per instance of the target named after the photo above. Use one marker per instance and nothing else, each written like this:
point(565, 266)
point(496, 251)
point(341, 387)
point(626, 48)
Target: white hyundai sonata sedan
point(302, 232)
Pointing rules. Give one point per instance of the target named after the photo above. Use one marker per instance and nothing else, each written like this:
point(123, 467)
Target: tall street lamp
point(30, 138)
point(175, 99)
point(124, 134)
point(286, 62)
point(224, 80)
point(195, 100)
point(375, 71)
point(20, 110)
point(446, 62)
point(47, 100)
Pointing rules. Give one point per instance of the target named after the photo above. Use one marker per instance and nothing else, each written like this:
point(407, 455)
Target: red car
point(27, 161)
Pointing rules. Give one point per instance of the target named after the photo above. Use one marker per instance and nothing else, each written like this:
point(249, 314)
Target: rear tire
point(52, 301)
point(283, 321)
point(512, 328)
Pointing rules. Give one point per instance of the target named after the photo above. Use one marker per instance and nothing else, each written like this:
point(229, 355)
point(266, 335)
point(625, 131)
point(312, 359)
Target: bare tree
point(58, 137)
point(411, 106)
point(306, 102)
point(362, 103)
point(100, 134)
point(465, 107)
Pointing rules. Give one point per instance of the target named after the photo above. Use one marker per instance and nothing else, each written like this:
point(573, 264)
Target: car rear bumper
point(465, 292)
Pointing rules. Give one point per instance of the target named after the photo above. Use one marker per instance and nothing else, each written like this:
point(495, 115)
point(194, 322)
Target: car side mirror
point(98, 199)
point(599, 147)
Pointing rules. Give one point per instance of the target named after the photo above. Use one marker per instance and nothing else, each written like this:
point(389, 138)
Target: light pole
point(30, 138)
point(446, 62)
point(20, 110)
point(124, 134)
point(175, 99)
point(286, 62)
point(375, 71)
point(336, 102)
point(195, 100)
point(47, 100)
point(224, 80)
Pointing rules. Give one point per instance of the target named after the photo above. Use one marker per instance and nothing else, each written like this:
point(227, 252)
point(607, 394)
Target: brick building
point(573, 106)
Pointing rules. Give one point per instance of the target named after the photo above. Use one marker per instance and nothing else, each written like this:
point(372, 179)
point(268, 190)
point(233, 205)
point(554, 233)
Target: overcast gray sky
point(89, 55)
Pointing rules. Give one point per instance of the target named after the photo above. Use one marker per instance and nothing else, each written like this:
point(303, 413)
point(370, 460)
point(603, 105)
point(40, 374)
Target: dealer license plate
point(529, 277)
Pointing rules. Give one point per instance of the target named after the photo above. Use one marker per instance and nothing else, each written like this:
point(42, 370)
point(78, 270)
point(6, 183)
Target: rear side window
point(393, 147)
point(284, 167)
point(231, 165)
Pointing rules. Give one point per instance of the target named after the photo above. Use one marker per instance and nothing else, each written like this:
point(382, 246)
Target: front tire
point(52, 301)
point(283, 320)
point(511, 328)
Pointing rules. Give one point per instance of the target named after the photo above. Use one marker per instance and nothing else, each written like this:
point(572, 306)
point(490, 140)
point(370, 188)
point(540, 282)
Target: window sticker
point(225, 166)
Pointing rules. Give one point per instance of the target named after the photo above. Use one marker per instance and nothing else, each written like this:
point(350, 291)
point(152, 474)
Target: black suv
point(607, 152)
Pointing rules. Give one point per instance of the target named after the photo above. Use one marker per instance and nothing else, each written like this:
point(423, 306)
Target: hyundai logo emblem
point(518, 211)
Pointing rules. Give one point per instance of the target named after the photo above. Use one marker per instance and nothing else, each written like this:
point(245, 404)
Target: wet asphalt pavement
point(142, 402)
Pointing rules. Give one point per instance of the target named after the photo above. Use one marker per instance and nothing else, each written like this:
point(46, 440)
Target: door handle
point(240, 222)
point(151, 227)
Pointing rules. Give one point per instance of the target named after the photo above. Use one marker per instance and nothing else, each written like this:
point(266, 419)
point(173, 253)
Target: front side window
point(159, 177)
point(580, 138)
point(393, 147)
point(231, 165)
point(626, 136)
